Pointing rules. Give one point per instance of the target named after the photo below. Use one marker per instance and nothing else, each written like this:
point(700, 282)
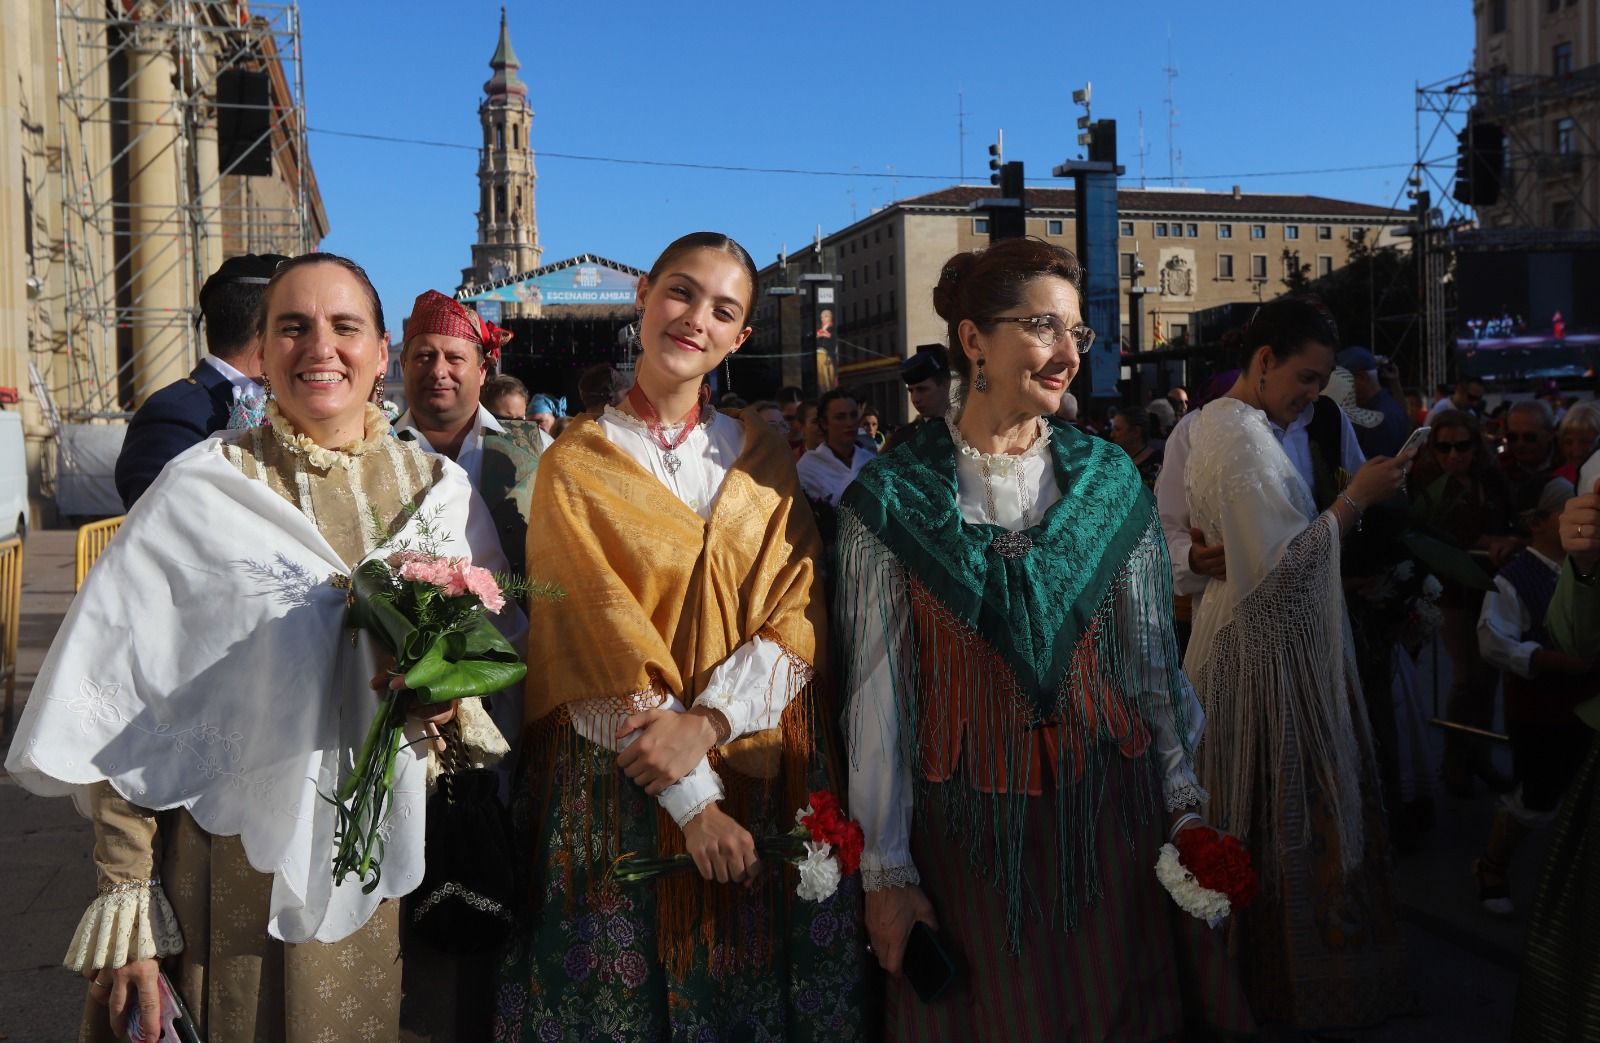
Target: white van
point(13, 477)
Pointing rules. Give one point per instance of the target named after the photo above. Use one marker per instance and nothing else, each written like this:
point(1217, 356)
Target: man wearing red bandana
point(445, 358)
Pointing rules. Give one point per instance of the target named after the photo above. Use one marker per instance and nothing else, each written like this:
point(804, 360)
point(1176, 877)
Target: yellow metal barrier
point(10, 612)
point(92, 540)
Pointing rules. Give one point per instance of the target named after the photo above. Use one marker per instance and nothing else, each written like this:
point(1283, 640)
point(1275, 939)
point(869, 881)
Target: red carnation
point(828, 825)
point(1219, 863)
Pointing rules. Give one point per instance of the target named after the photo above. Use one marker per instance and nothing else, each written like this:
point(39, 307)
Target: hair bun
point(945, 294)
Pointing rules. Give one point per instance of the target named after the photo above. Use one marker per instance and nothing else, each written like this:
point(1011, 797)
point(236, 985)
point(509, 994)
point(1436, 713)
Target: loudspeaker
point(244, 123)
point(1480, 158)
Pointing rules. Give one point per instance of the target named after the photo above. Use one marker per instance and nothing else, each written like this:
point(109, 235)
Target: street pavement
point(1463, 961)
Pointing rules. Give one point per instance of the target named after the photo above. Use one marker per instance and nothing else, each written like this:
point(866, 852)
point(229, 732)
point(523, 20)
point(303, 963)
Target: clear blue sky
point(869, 88)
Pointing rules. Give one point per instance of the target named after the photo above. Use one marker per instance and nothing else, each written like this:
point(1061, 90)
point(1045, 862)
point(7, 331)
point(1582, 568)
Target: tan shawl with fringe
point(656, 596)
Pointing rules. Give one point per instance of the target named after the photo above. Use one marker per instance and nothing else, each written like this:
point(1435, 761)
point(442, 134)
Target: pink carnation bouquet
point(432, 612)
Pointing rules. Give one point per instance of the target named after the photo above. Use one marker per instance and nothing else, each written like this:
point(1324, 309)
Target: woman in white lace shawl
point(1288, 756)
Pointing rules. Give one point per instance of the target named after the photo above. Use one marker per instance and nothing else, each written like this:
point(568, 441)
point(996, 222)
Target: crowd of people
point(1027, 650)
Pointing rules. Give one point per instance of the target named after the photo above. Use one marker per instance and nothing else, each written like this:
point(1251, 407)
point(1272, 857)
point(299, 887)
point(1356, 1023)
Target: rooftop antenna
point(1144, 149)
point(1174, 157)
point(961, 134)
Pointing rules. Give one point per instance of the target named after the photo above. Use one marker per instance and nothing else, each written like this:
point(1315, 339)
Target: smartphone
point(174, 1016)
point(929, 964)
point(1414, 444)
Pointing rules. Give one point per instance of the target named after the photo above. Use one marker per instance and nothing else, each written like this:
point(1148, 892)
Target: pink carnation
point(481, 582)
point(453, 576)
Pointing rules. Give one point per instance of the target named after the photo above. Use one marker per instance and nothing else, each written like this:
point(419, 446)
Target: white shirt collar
point(241, 383)
point(470, 456)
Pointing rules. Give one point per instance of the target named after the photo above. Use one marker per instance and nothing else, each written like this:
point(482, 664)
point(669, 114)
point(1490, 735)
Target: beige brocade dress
point(242, 985)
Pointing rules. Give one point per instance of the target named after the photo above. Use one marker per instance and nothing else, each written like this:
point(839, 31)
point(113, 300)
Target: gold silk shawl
point(656, 596)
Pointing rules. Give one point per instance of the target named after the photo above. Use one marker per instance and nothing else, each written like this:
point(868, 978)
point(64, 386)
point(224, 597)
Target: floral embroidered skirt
point(586, 965)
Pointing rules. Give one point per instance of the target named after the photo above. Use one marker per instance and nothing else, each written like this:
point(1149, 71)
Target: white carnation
point(1432, 588)
point(1199, 902)
point(1403, 571)
point(803, 814)
point(819, 873)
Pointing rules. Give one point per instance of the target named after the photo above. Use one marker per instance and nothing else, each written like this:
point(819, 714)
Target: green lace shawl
point(1032, 609)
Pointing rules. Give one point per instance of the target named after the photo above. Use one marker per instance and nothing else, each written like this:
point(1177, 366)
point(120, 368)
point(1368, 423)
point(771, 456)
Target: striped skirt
point(1135, 969)
point(1559, 995)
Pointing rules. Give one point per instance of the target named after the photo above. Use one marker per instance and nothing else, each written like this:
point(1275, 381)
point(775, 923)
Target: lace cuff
point(1187, 795)
point(889, 876)
point(128, 922)
point(475, 736)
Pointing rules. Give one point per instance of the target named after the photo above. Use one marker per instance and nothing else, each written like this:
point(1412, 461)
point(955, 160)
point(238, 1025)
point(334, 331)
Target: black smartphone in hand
point(929, 965)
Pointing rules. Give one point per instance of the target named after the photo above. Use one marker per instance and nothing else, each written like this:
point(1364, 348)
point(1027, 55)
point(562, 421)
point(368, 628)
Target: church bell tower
point(508, 231)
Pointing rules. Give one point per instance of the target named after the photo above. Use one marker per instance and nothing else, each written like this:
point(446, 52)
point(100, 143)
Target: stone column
point(158, 240)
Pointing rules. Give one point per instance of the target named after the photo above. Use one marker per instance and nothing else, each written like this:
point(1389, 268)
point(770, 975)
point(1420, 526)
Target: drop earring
point(377, 390)
point(982, 381)
point(266, 386)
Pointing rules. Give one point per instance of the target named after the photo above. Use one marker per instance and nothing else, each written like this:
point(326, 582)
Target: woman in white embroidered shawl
point(1288, 757)
point(203, 691)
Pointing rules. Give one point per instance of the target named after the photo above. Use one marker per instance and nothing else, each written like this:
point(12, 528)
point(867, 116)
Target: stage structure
point(1505, 208)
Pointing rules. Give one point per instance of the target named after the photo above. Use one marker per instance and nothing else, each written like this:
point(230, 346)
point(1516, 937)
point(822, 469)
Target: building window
point(1325, 233)
point(852, 278)
point(1224, 231)
point(1126, 229)
point(891, 264)
point(1177, 230)
point(1291, 231)
point(1225, 266)
point(980, 226)
point(877, 235)
point(1565, 132)
point(1291, 264)
point(499, 135)
point(1258, 231)
point(1324, 266)
point(891, 300)
point(1129, 264)
point(1258, 267)
point(1052, 227)
point(1561, 59)
point(516, 136)
point(1194, 231)
point(500, 203)
point(1161, 229)
point(1497, 16)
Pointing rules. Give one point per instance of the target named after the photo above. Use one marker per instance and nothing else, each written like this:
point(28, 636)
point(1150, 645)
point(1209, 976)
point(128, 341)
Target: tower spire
point(508, 232)
point(505, 65)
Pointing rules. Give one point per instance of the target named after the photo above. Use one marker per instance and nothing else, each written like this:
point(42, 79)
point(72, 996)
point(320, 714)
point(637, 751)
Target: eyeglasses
point(1446, 448)
point(1050, 328)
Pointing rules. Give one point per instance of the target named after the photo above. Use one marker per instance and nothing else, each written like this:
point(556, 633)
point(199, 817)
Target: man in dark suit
point(187, 411)
point(444, 361)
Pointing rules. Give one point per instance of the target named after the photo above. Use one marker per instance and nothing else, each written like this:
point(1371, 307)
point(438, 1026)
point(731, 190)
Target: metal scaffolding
point(146, 205)
point(1541, 176)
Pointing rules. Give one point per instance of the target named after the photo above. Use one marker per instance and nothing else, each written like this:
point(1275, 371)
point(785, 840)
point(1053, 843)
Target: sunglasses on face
point(1446, 448)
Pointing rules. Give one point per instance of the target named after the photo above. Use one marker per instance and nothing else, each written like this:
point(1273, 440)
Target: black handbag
point(467, 901)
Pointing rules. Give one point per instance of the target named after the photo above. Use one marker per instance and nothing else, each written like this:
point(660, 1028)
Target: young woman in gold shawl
point(671, 709)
